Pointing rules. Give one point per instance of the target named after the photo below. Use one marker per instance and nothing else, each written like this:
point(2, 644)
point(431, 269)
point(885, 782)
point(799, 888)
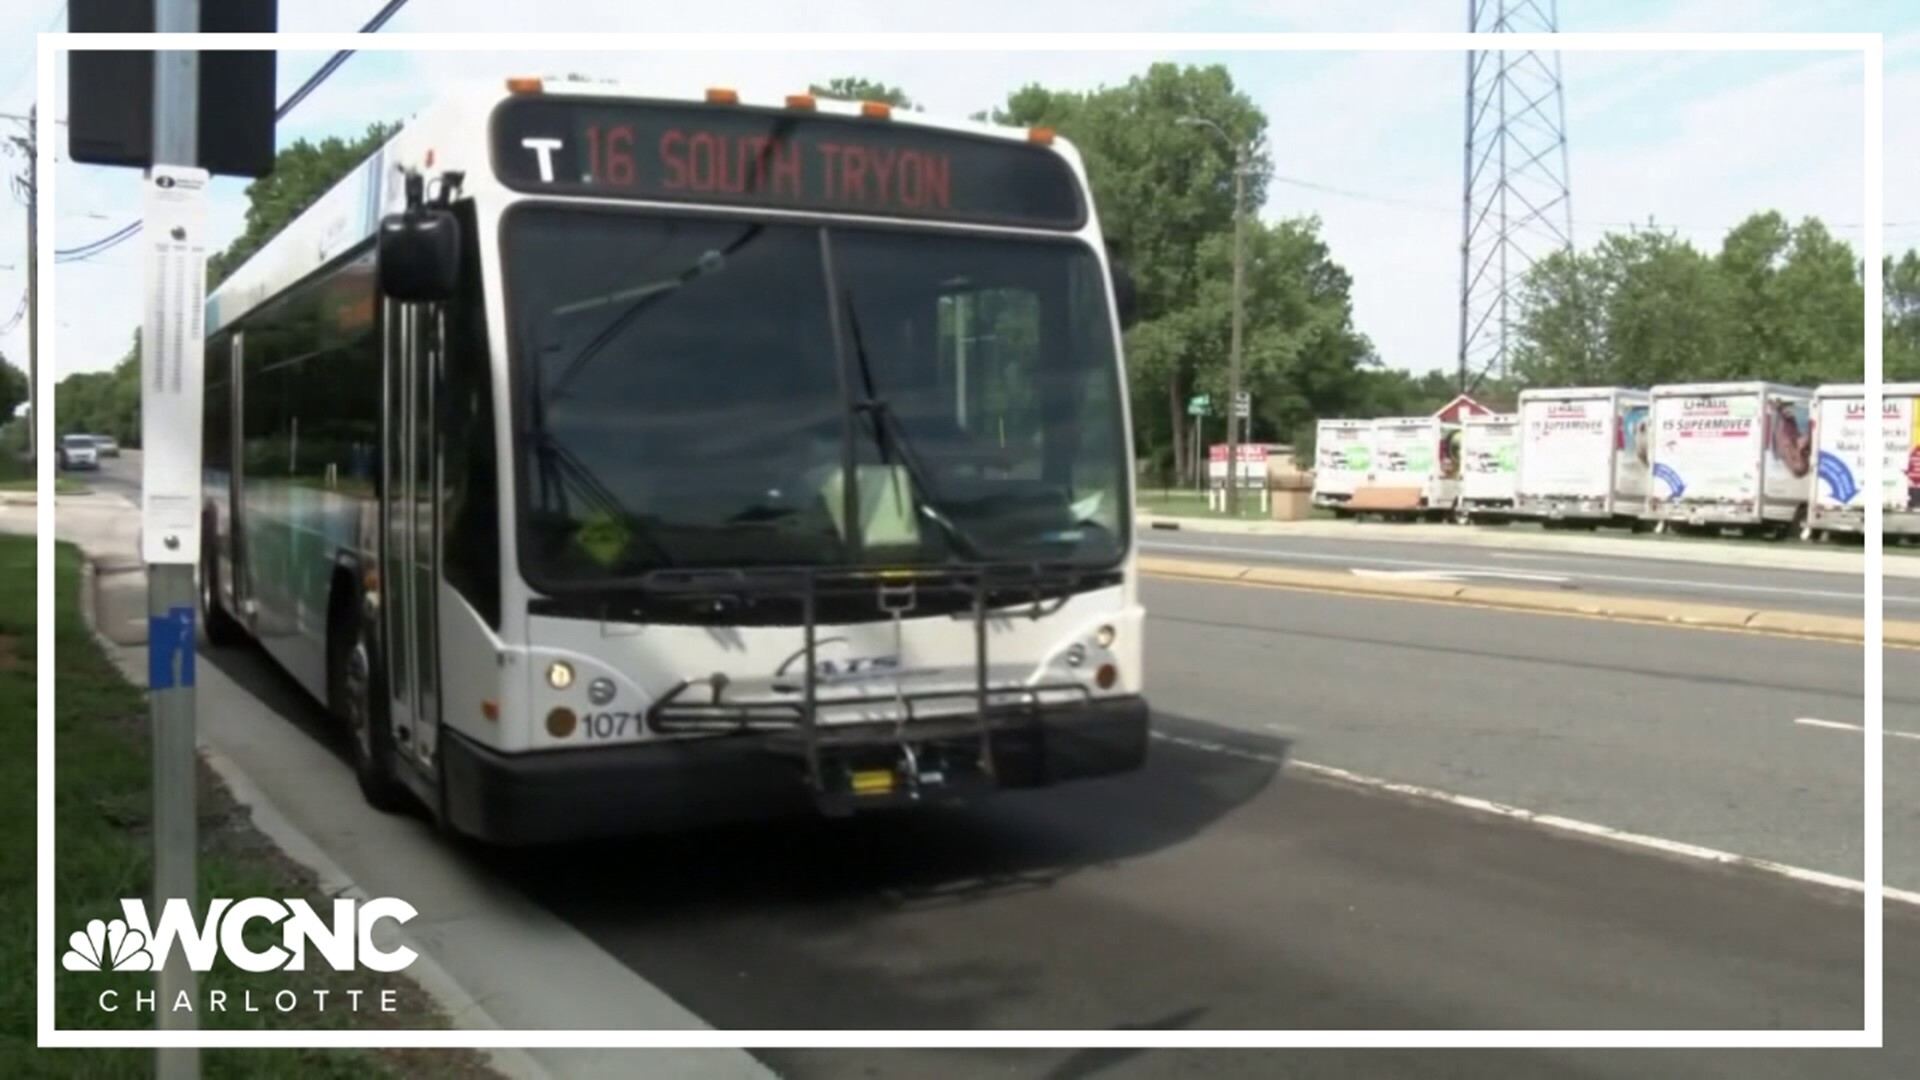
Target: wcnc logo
point(133, 943)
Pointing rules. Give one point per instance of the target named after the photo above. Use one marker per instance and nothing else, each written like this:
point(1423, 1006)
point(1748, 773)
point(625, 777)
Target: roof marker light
point(525, 84)
point(877, 110)
point(720, 95)
point(1041, 135)
point(801, 101)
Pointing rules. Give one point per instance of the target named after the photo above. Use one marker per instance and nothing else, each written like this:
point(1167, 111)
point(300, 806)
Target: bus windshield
point(686, 390)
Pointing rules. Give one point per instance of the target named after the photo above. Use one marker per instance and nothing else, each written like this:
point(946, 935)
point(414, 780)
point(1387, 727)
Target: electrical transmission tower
point(1517, 208)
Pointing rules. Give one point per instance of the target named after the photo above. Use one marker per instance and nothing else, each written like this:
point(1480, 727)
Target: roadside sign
point(172, 370)
point(1199, 405)
point(1243, 405)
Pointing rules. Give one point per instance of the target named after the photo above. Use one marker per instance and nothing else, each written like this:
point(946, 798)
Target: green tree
point(1900, 320)
point(1163, 190)
point(302, 172)
point(852, 88)
point(1641, 307)
point(13, 389)
point(1797, 298)
point(1301, 353)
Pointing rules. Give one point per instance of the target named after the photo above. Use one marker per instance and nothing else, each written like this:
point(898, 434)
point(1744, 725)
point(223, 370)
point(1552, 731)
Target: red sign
point(1250, 453)
point(786, 159)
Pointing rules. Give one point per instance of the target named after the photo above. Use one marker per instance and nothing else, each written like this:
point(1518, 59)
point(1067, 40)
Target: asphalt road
point(1219, 889)
point(118, 476)
point(1649, 575)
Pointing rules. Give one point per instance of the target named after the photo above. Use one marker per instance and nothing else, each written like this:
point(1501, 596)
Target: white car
point(78, 452)
point(107, 445)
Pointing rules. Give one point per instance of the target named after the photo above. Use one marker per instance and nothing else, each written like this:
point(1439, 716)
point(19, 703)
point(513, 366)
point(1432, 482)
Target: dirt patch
point(10, 658)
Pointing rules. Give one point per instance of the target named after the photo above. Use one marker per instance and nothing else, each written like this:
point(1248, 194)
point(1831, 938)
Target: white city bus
point(609, 463)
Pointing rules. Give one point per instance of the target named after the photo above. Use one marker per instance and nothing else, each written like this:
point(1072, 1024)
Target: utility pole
point(1241, 164)
point(171, 376)
point(1234, 423)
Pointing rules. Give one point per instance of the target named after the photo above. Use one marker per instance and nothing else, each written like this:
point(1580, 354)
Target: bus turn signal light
point(1106, 676)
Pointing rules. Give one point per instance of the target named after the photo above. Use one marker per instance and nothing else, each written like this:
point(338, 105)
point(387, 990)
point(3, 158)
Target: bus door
point(239, 569)
point(410, 561)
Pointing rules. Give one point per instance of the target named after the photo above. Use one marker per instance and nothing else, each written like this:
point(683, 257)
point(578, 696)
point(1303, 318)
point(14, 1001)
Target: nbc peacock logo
point(109, 945)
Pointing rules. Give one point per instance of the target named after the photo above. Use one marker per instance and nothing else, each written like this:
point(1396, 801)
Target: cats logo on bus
point(836, 666)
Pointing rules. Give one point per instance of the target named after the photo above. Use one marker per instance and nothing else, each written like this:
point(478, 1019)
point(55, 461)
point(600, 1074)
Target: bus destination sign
point(786, 160)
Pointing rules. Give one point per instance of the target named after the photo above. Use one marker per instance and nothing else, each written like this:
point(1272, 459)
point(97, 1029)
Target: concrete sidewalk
point(1787, 555)
point(490, 958)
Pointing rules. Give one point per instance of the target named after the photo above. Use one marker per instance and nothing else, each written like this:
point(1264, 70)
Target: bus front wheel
point(362, 705)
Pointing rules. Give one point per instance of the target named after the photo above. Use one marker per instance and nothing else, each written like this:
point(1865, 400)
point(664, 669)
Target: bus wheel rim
point(358, 707)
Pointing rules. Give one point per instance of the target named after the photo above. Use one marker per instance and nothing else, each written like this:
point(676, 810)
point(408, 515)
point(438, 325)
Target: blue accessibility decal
point(1675, 486)
point(1838, 478)
point(170, 649)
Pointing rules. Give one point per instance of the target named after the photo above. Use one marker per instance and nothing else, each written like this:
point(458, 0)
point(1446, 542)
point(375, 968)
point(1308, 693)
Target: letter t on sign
point(544, 148)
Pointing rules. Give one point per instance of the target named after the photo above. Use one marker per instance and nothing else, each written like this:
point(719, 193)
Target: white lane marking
point(1551, 821)
point(1283, 555)
point(1856, 728)
point(1455, 575)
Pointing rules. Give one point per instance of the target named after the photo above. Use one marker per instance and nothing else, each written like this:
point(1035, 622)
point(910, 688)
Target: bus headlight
point(1076, 654)
point(560, 675)
point(1104, 637)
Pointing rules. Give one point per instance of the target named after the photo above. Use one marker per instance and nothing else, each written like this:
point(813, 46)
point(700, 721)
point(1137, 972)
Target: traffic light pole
point(171, 377)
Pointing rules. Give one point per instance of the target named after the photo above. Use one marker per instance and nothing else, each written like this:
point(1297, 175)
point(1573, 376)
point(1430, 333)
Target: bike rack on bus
point(995, 590)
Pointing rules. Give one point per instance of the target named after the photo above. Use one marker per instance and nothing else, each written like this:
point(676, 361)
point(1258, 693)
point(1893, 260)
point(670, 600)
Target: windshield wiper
point(886, 432)
point(708, 263)
point(557, 462)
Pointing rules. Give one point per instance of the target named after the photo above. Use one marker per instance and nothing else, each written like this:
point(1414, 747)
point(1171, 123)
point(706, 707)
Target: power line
point(13, 320)
point(326, 70)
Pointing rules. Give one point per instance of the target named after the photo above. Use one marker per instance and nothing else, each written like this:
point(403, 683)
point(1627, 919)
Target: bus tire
point(223, 630)
point(359, 682)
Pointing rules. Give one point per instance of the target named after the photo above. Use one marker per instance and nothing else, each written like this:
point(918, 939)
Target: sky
point(1370, 143)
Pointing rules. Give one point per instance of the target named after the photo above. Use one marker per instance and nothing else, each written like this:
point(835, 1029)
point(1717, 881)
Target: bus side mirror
point(1126, 297)
point(419, 256)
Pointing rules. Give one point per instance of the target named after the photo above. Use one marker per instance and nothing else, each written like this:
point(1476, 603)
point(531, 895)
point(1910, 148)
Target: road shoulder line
point(1550, 821)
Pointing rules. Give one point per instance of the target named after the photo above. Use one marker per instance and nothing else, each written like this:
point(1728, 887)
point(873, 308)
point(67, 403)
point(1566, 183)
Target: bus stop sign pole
point(171, 379)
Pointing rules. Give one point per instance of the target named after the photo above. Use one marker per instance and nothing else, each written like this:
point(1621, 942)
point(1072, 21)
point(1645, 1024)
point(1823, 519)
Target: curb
point(462, 1007)
point(464, 1011)
point(1833, 628)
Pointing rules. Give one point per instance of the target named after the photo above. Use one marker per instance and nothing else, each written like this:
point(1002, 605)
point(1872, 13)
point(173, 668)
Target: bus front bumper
point(672, 784)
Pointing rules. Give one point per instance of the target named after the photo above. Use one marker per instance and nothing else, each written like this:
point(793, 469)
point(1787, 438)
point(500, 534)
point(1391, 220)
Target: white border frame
point(51, 49)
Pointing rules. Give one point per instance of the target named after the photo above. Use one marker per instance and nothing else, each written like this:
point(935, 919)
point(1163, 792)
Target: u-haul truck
point(1584, 455)
point(1415, 469)
point(1489, 461)
point(1342, 455)
point(1731, 455)
point(1843, 437)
